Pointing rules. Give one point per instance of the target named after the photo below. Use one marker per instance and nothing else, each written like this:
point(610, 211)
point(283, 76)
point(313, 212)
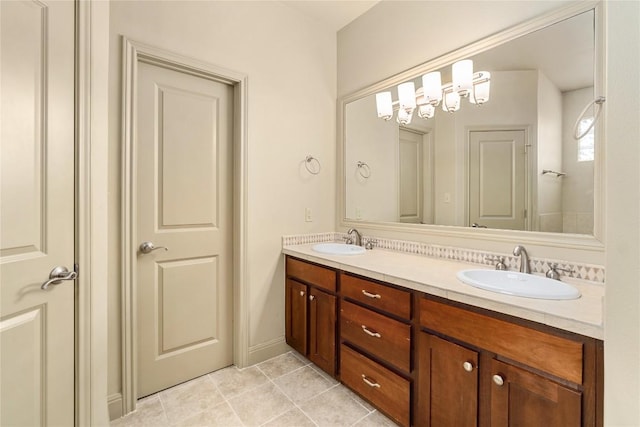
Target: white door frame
point(91, 142)
point(133, 53)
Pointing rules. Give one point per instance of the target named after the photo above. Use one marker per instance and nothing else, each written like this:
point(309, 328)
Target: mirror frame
point(592, 243)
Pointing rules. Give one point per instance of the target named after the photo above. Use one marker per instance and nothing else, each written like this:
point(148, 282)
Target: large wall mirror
point(512, 163)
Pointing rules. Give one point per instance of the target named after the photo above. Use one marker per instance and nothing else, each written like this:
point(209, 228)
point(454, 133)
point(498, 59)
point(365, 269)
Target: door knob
point(148, 247)
point(58, 274)
point(498, 379)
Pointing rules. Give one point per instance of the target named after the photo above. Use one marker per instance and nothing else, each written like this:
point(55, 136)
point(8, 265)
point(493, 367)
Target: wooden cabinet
point(296, 315)
point(448, 380)
point(480, 369)
point(427, 361)
point(310, 312)
point(375, 351)
point(522, 398)
point(387, 390)
point(322, 327)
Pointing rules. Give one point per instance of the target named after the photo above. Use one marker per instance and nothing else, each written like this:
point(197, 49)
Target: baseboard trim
point(261, 352)
point(115, 407)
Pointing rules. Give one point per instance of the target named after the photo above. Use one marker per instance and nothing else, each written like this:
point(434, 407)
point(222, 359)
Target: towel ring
point(364, 170)
point(309, 161)
point(598, 102)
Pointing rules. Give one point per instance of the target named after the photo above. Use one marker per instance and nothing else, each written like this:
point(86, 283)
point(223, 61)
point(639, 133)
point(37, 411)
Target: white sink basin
point(338, 249)
point(519, 284)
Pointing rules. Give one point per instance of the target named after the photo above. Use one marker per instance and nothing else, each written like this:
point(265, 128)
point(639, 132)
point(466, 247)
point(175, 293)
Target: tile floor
point(286, 391)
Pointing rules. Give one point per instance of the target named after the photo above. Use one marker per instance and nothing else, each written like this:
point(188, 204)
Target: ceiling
point(334, 13)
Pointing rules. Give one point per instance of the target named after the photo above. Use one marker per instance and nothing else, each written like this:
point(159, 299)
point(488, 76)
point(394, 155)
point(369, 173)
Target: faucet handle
point(500, 265)
point(553, 271)
point(348, 240)
point(371, 243)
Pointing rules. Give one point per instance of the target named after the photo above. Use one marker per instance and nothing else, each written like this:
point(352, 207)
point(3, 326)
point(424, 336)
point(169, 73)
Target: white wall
point(375, 142)
point(413, 32)
point(622, 193)
point(290, 62)
point(577, 186)
point(421, 24)
point(549, 153)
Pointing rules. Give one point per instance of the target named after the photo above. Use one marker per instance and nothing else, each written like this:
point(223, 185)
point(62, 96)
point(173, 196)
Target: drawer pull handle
point(467, 366)
point(301, 293)
point(371, 333)
point(369, 382)
point(498, 380)
point(312, 297)
point(370, 295)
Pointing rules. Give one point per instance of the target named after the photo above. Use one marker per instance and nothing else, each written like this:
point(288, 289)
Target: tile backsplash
point(593, 273)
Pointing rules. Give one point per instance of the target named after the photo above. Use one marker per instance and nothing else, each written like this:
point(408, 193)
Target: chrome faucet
point(524, 258)
point(358, 237)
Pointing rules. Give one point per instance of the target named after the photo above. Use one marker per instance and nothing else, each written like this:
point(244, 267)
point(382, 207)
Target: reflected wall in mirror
point(511, 163)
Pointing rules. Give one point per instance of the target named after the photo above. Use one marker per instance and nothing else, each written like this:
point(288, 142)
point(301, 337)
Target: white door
point(36, 212)
point(497, 184)
point(411, 191)
point(184, 204)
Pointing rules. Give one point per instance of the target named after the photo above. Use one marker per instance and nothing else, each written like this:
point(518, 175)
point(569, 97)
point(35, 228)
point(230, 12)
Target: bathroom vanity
point(430, 351)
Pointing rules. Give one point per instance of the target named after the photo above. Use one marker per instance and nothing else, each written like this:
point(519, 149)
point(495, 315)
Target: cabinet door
point(322, 330)
point(521, 398)
point(447, 384)
point(296, 315)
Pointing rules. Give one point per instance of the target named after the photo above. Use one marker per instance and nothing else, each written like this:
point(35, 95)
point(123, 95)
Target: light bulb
point(432, 87)
point(451, 102)
point(407, 96)
point(384, 105)
point(404, 116)
point(480, 93)
point(463, 77)
point(426, 111)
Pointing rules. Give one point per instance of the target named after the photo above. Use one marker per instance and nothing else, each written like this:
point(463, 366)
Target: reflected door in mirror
point(497, 183)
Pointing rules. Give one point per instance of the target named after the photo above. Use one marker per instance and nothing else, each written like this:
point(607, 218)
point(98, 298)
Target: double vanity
point(407, 334)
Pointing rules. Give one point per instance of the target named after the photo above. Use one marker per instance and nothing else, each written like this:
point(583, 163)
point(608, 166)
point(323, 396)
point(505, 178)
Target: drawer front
point(373, 294)
point(381, 336)
point(318, 276)
point(385, 389)
point(549, 353)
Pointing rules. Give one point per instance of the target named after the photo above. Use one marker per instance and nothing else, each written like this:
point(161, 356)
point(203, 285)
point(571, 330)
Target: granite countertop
point(437, 277)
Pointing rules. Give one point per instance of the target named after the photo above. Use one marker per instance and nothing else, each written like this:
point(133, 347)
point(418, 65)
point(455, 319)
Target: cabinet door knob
point(301, 293)
point(312, 297)
point(498, 380)
point(467, 366)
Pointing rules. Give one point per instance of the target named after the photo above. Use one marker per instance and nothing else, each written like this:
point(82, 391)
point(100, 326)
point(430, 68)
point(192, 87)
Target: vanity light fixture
point(466, 84)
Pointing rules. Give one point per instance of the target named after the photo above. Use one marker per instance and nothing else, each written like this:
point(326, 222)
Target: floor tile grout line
point(164, 410)
point(283, 393)
point(249, 389)
point(362, 418)
point(294, 403)
point(225, 398)
point(272, 381)
point(228, 399)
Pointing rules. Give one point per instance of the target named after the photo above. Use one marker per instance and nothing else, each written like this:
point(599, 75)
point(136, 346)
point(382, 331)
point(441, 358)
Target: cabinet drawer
point(373, 294)
point(385, 389)
point(381, 336)
point(549, 353)
point(313, 274)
